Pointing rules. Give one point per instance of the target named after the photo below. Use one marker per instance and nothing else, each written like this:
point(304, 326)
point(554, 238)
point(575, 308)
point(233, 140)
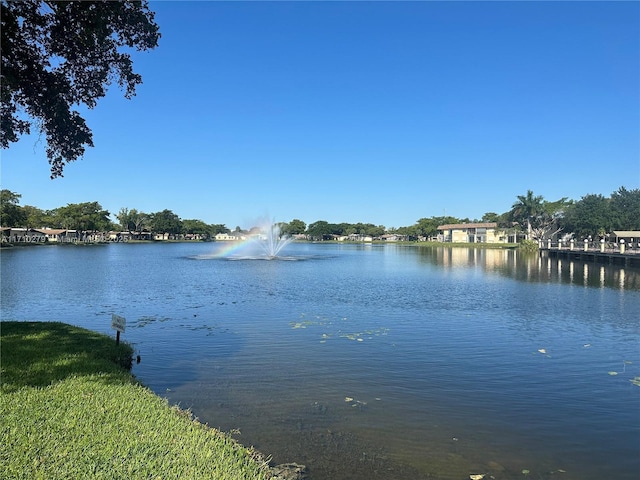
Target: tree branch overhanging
point(57, 55)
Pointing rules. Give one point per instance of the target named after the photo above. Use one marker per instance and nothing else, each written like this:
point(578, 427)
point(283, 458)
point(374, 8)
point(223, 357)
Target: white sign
point(118, 323)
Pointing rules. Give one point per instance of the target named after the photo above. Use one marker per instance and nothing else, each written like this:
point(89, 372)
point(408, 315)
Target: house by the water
point(474, 233)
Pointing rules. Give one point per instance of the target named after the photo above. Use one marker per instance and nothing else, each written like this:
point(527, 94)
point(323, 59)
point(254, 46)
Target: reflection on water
point(371, 362)
point(534, 267)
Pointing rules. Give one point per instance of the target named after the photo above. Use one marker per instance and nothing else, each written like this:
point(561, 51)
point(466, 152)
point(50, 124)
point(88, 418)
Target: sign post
point(118, 324)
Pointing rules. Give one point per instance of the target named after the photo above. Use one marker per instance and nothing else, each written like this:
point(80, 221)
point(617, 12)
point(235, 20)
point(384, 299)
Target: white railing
point(602, 246)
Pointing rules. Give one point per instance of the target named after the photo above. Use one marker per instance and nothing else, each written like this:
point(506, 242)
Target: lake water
point(367, 362)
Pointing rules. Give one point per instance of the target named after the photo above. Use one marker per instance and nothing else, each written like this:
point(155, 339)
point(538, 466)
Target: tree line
point(536, 218)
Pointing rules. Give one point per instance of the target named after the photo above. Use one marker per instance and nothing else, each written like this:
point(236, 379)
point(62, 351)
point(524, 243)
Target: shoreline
point(80, 407)
point(505, 246)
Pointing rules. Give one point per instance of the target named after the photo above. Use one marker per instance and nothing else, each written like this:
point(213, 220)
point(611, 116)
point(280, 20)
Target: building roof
point(51, 231)
point(627, 233)
point(458, 226)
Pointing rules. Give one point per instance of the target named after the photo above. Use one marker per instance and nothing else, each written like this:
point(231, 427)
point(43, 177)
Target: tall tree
point(87, 216)
point(548, 222)
point(372, 230)
point(591, 215)
point(60, 54)
point(526, 209)
point(124, 218)
point(11, 214)
point(34, 217)
point(410, 232)
point(294, 227)
point(165, 222)
point(320, 230)
point(490, 217)
point(196, 227)
point(140, 220)
point(625, 206)
point(218, 228)
point(428, 227)
point(132, 220)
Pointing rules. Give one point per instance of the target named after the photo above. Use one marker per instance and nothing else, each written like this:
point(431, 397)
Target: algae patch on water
point(337, 328)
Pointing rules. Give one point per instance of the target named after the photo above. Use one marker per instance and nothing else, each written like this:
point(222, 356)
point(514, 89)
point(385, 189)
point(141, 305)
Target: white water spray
point(271, 240)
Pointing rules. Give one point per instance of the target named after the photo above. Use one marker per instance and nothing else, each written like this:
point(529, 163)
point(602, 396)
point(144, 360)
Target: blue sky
point(375, 112)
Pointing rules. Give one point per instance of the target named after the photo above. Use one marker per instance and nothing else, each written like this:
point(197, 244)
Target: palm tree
point(527, 208)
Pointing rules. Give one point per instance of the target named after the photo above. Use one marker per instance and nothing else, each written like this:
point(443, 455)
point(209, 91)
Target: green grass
point(70, 409)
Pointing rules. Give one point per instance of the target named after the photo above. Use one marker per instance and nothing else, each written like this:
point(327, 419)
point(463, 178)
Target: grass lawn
point(69, 409)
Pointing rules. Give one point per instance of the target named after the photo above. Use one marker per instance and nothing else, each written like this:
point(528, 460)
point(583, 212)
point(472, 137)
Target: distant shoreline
point(411, 243)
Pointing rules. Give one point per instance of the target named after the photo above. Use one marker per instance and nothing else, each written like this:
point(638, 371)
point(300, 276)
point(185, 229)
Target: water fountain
point(271, 241)
point(266, 243)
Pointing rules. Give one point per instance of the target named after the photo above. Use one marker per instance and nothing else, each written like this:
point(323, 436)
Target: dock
point(609, 255)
